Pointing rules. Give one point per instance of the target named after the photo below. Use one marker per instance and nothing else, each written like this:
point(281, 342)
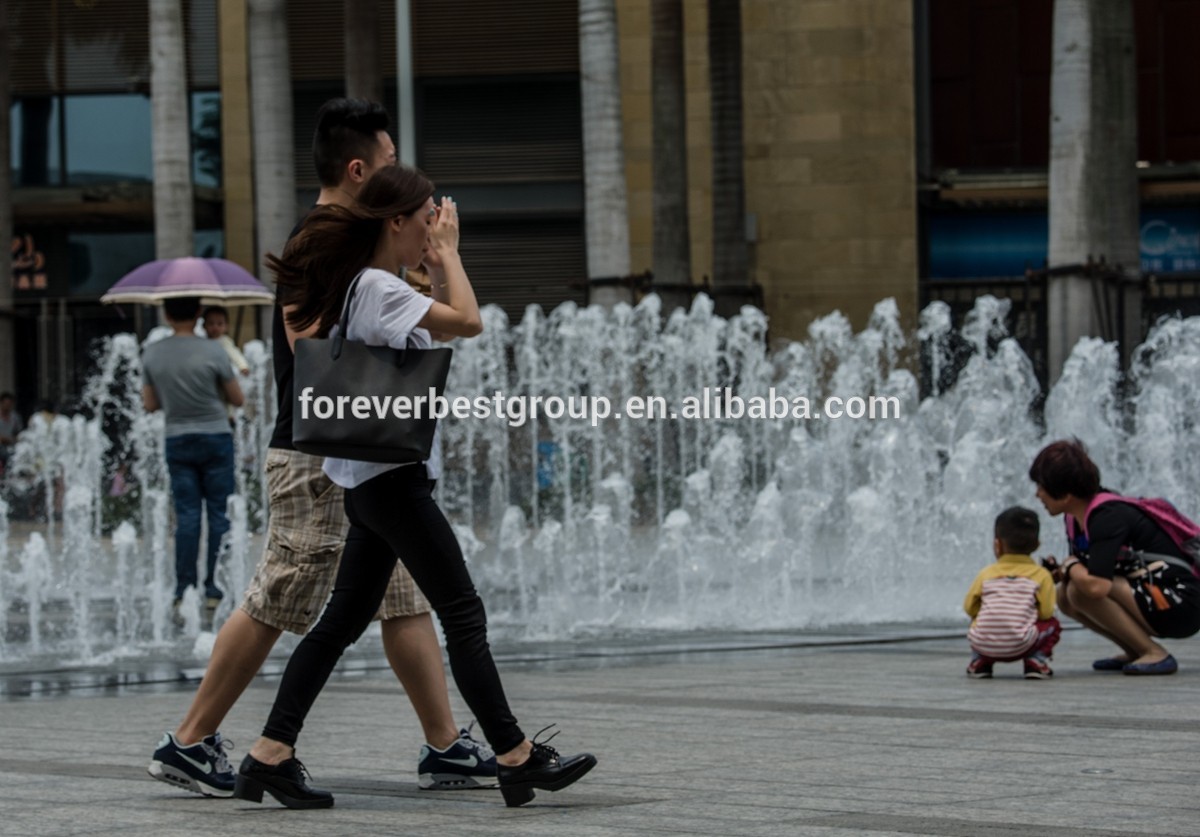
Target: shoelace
point(544, 745)
point(218, 754)
point(471, 743)
point(304, 774)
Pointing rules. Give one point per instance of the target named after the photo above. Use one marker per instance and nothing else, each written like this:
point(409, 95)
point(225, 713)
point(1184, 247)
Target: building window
point(35, 156)
point(206, 138)
point(98, 260)
point(209, 244)
point(108, 138)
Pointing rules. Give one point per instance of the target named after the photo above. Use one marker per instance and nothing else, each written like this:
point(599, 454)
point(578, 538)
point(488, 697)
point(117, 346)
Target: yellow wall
point(237, 159)
point(830, 145)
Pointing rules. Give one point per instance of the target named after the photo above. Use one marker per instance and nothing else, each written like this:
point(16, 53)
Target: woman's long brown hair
point(336, 242)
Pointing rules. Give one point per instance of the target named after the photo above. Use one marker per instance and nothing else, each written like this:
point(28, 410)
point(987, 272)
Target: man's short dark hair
point(347, 129)
point(7, 396)
point(1018, 528)
point(215, 309)
point(180, 309)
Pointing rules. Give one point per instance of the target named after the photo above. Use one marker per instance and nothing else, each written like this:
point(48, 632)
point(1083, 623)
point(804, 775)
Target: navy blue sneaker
point(466, 763)
point(200, 768)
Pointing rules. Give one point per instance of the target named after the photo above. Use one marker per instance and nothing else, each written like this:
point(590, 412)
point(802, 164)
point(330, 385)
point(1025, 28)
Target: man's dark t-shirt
point(284, 363)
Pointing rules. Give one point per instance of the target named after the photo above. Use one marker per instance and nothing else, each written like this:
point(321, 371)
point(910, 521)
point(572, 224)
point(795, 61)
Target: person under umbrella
point(190, 379)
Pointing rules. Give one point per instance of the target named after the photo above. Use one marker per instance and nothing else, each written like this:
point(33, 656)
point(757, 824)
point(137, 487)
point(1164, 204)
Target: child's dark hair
point(1017, 528)
point(1063, 468)
point(215, 309)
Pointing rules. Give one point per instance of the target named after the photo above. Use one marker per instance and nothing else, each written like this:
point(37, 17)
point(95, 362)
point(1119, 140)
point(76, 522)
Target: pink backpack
point(1180, 529)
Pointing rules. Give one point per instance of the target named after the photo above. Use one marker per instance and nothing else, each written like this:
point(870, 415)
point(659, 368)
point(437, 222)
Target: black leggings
point(395, 514)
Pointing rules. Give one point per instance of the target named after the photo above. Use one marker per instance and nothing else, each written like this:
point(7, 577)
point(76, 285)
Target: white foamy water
point(634, 526)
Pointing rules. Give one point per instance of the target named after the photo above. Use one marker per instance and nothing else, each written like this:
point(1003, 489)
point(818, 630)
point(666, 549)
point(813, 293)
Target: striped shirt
point(1006, 600)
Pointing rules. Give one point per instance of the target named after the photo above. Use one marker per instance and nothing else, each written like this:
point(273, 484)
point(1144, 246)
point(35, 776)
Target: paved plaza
point(875, 732)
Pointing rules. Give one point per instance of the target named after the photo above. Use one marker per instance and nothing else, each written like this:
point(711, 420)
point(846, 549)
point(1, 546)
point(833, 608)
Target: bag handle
point(335, 345)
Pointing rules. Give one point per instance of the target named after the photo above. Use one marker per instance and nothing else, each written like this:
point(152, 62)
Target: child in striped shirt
point(1011, 602)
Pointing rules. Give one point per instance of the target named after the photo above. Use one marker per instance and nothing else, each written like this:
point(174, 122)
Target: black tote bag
point(346, 397)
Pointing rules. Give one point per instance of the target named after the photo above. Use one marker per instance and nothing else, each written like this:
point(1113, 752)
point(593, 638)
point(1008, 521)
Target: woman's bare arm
point(455, 311)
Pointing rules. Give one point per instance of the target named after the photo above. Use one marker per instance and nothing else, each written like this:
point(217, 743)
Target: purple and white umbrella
point(215, 281)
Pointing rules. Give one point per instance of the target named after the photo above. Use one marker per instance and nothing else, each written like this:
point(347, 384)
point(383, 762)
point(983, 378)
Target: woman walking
point(391, 509)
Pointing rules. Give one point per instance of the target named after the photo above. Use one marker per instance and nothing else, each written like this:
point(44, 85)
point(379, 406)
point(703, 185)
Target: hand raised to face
point(443, 233)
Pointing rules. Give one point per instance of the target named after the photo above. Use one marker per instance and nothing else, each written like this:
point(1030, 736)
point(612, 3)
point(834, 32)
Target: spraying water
point(576, 527)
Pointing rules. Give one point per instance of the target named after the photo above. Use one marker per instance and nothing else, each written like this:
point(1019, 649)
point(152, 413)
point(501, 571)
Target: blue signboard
point(1006, 243)
point(986, 244)
point(1171, 240)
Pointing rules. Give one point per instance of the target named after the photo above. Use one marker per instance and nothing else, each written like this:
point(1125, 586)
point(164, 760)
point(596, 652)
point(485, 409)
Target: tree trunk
point(7, 349)
point(364, 76)
point(731, 270)
point(173, 213)
point(605, 208)
point(1093, 172)
point(275, 208)
point(672, 252)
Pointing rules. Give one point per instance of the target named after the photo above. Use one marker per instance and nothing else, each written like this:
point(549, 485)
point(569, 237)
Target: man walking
point(191, 380)
point(304, 543)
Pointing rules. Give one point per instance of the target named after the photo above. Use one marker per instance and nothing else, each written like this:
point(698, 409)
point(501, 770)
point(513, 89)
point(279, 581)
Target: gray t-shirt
point(188, 374)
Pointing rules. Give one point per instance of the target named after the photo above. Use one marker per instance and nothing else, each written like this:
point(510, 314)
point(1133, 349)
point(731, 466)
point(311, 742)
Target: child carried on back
point(1011, 602)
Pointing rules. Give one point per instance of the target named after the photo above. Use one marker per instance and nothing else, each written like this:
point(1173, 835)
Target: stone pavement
point(886, 737)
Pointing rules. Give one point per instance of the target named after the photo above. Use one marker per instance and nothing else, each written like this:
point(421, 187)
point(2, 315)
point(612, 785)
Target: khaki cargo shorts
point(305, 536)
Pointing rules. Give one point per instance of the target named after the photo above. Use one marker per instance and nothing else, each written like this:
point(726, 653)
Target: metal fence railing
point(1162, 295)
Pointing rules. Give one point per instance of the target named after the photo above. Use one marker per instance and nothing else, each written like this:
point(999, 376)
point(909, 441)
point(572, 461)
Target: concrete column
point(606, 208)
point(174, 218)
point(275, 207)
point(7, 349)
point(1093, 171)
point(360, 33)
point(406, 111)
point(237, 158)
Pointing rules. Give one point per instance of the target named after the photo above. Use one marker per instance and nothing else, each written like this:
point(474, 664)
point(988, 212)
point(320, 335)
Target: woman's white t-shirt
point(385, 312)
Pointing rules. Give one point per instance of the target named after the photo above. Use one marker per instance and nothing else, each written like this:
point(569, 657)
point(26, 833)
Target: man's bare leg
point(241, 648)
point(243, 644)
point(412, 649)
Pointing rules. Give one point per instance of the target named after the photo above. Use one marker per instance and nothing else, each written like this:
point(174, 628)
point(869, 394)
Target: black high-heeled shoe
point(286, 781)
point(545, 769)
